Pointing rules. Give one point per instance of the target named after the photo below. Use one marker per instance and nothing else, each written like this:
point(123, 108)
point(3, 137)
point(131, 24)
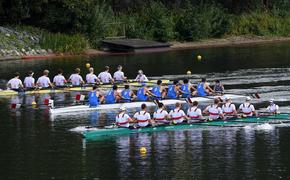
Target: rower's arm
point(205, 111)
point(209, 88)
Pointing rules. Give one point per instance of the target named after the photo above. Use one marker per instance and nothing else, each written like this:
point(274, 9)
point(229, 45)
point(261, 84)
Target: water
point(37, 146)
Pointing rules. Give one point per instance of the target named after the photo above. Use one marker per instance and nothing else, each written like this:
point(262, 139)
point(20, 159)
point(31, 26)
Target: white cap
point(271, 100)
point(122, 109)
point(227, 98)
point(140, 71)
point(248, 98)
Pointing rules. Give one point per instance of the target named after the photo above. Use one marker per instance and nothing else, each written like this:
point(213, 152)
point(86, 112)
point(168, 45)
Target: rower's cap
point(248, 98)
point(271, 100)
point(227, 98)
point(122, 108)
point(140, 72)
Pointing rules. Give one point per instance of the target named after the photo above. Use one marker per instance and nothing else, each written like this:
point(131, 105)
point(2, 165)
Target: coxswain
point(94, 97)
point(158, 91)
point(194, 112)
point(218, 88)
point(214, 111)
point(247, 109)
point(59, 80)
point(127, 94)
point(15, 83)
point(76, 79)
point(119, 76)
point(143, 118)
point(141, 77)
point(161, 115)
point(273, 108)
point(173, 91)
point(113, 95)
point(105, 77)
point(177, 115)
point(29, 81)
point(44, 81)
point(91, 78)
point(143, 93)
point(123, 119)
point(229, 109)
point(203, 88)
point(187, 90)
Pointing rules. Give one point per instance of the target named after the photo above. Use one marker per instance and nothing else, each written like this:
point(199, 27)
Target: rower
point(229, 109)
point(187, 90)
point(161, 115)
point(113, 95)
point(141, 77)
point(29, 81)
point(59, 79)
point(44, 81)
point(177, 115)
point(194, 112)
point(218, 88)
point(91, 78)
point(214, 111)
point(127, 94)
point(142, 117)
point(173, 90)
point(203, 88)
point(105, 77)
point(76, 79)
point(143, 93)
point(247, 109)
point(15, 83)
point(123, 119)
point(94, 97)
point(273, 108)
point(119, 75)
point(158, 91)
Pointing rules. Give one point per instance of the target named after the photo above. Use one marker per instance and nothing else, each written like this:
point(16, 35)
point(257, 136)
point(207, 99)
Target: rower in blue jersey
point(113, 96)
point(159, 91)
point(143, 93)
point(187, 89)
point(95, 98)
point(127, 94)
point(173, 91)
point(218, 88)
point(203, 88)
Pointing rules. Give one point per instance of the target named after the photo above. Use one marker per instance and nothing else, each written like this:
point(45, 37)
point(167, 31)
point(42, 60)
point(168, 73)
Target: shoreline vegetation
point(68, 28)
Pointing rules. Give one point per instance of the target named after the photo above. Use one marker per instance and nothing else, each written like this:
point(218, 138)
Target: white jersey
point(91, 78)
point(105, 77)
point(142, 118)
point(160, 116)
point(15, 83)
point(272, 108)
point(228, 108)
point(194, 112)
point(141, 78)
point(59, 80)
point(177, 115)
point(119, 76)
point(76, 79)
point(214, 111)
point(43, 82)
point(29, 82)
point(247, 109)
point(122, 120)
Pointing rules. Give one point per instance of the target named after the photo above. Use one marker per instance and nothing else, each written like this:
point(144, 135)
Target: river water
point(35, 145)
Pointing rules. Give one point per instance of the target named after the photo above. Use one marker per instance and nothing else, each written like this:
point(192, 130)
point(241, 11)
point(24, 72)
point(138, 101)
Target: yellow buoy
point(188, 72)
point(88, 65)
point(199, 57)
point(143, 150)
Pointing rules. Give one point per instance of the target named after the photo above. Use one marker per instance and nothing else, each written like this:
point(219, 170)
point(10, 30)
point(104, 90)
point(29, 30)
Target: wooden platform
point(133, 45)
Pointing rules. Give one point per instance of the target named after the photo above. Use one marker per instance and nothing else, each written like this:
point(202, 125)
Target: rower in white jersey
point(59, 80)
point(91, 78)
point(161, 115)
point(143, 118)
point(214, 111)
point(229, 109)
point(105, 77)
point(123, 119)
point(76, 79)
point(247, 109)
point(141, 77)
point(44, 81)
point(194, 112)
point(15, 83)
point(273, 108)
point(177, 115)
point(29, 81)
point(119, 75)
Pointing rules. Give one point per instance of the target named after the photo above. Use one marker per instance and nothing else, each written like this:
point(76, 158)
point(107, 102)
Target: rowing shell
point(86, 108)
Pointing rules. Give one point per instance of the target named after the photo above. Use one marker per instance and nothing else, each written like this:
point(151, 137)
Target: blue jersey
point(110, 97)
point(200, 90)
point(218, 88)
point(156, 91)
point(185, 91)
point(126, 95)
point(93, 99)
point(141, 95)
point(171, 92)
